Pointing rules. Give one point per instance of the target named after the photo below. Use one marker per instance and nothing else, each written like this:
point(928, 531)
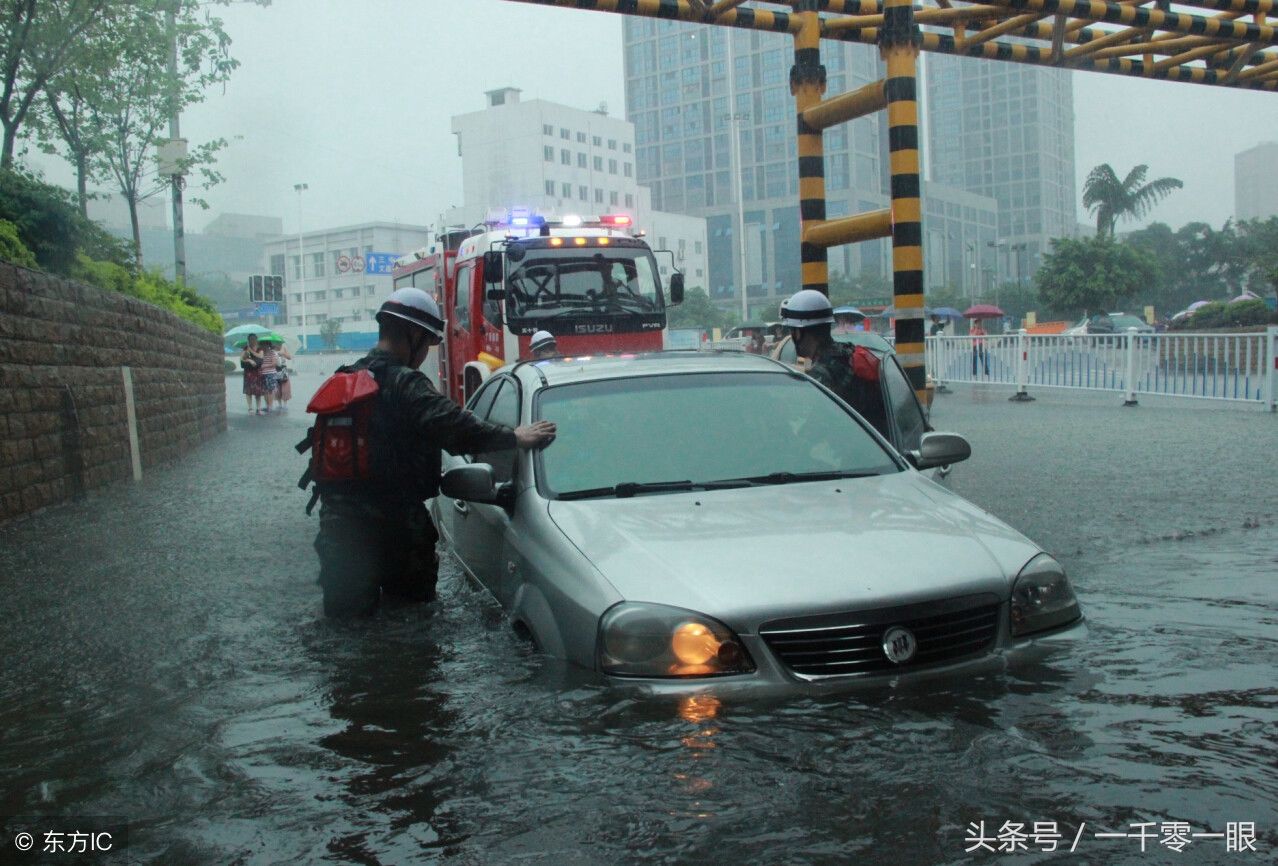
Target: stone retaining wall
point(63, 424)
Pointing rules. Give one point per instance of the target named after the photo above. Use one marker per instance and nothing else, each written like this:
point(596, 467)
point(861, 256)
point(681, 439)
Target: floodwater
point(165, 662)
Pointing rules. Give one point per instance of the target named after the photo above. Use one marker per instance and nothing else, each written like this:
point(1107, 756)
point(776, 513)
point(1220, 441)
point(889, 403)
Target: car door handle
point(461, 506)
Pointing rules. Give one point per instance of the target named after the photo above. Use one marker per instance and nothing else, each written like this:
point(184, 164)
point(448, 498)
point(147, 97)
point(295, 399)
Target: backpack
point(340, 441)
point(865, 364)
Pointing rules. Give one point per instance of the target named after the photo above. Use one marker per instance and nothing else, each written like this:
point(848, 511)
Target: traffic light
point(256, 289)
point(275, 288)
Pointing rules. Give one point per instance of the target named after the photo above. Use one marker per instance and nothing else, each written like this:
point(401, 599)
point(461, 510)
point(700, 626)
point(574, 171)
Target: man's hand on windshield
point(539, 434)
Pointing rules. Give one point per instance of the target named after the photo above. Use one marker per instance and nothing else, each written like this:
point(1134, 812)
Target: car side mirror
point(676, 288)
point(492, 267)
point(470, 483)
point(940, 449)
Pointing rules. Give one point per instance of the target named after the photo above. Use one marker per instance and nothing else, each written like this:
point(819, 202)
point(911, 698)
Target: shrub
point(52, 227)
point(12, 249)
point(1220, 314)
point(152, 288)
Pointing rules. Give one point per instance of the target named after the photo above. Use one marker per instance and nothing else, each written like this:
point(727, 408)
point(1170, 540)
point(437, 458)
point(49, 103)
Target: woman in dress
point(251, 364)
point(270, 374)
point(282, 375)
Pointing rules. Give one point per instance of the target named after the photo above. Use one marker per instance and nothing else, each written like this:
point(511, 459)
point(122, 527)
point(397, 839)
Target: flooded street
point(166, 663)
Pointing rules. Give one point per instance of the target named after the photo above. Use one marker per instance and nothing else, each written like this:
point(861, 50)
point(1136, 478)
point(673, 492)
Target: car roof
point(587, 368)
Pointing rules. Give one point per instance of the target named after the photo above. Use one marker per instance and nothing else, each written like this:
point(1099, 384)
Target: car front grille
point(851, 644)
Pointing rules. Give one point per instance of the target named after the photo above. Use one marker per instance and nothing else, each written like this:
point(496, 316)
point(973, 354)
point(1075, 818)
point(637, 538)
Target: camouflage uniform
point(832, 367)
point(379, 536)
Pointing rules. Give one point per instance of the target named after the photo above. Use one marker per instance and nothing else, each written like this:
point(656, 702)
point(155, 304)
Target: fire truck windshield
point(548, 282)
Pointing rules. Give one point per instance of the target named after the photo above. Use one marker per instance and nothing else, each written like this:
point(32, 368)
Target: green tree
point(133, 102)
point(39, 39)
point(696, 311)
point(330, 331)
point(12, 249)
point(1113, 199)
point(51, 226)
point(1083, 275)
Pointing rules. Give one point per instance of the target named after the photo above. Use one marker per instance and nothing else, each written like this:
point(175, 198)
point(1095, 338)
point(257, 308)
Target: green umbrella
point(271, 337)
point(245, 330)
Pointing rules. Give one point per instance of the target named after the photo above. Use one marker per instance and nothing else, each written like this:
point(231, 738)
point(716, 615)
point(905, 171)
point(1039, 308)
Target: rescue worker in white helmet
point(375, 535)
point(542, 345)
point(852, 373)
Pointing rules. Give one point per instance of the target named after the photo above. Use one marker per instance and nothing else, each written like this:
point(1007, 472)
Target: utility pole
point(300, 188)
point(175, 135)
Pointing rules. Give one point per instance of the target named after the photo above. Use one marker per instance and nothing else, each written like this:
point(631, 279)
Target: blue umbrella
point(946, 313)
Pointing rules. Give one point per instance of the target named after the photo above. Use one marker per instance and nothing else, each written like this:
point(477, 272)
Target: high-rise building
point(1256, 182)
point(685, 110)
point(562, 160)
point(1006, 131)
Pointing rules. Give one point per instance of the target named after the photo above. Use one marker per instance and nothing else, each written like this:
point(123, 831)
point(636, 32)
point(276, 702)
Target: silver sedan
point(722, 520)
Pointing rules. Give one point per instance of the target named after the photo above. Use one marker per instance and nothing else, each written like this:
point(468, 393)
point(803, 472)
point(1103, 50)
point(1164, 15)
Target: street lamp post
point(734, 120)
point(300, 188)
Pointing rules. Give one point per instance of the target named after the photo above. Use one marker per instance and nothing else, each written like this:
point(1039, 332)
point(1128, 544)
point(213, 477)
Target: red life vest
point(340, 441)
point(865, 364)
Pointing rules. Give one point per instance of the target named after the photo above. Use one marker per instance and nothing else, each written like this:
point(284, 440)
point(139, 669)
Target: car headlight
point(653, 640)
point(1042, 597)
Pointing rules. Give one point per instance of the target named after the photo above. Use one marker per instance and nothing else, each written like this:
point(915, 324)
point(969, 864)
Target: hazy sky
point(354, 99)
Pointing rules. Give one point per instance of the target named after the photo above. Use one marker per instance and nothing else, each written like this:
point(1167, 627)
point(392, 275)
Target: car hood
point(754, 554)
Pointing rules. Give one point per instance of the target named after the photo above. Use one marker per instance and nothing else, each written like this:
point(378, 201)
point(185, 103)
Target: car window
point(731, 425)
point(906, 413)
point(482, 399)
point(461, 304)
point(503, 410)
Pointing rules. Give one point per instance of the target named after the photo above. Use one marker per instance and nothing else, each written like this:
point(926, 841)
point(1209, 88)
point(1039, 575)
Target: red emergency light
point(615, 219)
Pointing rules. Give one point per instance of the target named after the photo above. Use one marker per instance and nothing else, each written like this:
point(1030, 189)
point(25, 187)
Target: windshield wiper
point(819, 475)
point(627, 489)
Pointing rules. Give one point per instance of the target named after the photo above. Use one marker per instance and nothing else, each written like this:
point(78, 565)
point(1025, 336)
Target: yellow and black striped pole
point(899, 45)
point(807, 83)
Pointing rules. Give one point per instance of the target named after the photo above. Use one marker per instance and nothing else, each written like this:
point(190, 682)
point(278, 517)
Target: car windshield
point(1125, 322)
point(548, 281)
point(700, 427)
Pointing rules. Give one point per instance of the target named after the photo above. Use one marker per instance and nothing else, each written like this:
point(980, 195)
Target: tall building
point(1256, 182)
point(1006, 131)
point(685, 109)
point(563, 160)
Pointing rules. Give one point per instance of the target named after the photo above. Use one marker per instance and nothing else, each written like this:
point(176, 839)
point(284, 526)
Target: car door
point(906, 418)
point(486, 524)
point(454, 514)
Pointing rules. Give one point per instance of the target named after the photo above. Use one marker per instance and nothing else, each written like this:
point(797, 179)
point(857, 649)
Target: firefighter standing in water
point(850, 372)
point(375, 534)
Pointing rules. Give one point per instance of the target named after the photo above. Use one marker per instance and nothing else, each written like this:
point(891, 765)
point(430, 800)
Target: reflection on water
point(190, 687)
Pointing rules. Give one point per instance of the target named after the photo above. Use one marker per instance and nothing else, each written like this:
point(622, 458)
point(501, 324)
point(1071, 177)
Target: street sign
point(380, 263)
point(268, 309)
point(357, 264)
point(343, 264)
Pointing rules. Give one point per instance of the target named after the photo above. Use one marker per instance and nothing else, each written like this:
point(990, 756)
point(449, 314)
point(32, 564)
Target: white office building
point(562, 160)
point(1256, 182)
point(343, 274)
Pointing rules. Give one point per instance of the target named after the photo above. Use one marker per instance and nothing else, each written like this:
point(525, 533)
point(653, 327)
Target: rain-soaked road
point(164, 662)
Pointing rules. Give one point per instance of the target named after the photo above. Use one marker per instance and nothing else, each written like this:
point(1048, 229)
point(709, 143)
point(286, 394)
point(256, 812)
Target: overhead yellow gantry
point(1223, 43)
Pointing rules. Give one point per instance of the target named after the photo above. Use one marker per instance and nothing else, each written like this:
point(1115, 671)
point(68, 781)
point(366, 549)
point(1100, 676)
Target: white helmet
point(415, 306)
point(805, 308)
point(542, 340)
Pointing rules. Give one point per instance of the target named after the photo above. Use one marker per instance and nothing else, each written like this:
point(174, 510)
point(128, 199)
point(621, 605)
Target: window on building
point(567, 190)
point(625, 147)
point(596, 141)
point(581, 160)
point(297, 297)
point(583, 193)
point(630, 200)
point(581, 137)
point(277, 264)
point(368, 290)
point(612, 166)
point(317, 264)
point(696, 247)
point(550, 187)
point(295, 267)
point(629, 169)
point(547, 129)
point(297, 320)
point(612, 144)
point(565, 134)
point(337, 293)
point(316, 296)
point(598, 163)
point(599, 196)
point(612, 198)
point(565, 156)
point(549, 153)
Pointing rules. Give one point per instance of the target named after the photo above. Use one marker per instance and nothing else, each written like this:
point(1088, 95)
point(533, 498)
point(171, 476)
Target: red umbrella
point(983, 311)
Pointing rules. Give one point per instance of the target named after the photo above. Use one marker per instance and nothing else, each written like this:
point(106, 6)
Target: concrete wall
point(63, 424)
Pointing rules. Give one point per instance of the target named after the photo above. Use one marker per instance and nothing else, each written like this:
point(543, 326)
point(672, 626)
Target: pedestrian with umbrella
point(251, 360)
point(976, 313)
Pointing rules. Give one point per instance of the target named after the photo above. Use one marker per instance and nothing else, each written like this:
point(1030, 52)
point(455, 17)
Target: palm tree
point(1112, 199)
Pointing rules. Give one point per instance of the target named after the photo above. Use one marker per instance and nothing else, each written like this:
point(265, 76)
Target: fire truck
point(592, 282)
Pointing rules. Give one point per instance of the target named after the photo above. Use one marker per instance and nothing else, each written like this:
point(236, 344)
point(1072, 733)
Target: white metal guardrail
point(1235, 367)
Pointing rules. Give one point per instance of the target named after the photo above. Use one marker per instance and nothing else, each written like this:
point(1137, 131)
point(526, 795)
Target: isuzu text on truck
point(590, 282)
